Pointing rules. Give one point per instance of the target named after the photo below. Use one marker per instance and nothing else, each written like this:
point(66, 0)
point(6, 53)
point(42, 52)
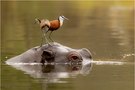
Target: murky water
point(105, 28)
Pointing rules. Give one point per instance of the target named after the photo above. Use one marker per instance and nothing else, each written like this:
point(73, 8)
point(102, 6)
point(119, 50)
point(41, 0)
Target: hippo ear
point(85, 53)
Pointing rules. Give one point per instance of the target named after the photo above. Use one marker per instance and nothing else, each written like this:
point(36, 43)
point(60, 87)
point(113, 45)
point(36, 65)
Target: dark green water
point(105, 28)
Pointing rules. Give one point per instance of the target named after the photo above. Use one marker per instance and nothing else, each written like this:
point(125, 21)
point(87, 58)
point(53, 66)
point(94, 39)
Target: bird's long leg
point(42, 39)
point(50, 36)
point(44, 34)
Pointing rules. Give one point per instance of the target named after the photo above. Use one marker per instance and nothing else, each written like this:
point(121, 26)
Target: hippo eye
point(74, 56)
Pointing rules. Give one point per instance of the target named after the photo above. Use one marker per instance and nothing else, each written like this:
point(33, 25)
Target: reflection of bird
point(46, 25)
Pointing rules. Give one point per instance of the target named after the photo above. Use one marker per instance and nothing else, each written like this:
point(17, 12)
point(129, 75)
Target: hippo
point(52, 53)
point(53, 59)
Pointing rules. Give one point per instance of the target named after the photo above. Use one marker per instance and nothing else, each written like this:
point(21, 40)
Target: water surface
point(105, 28)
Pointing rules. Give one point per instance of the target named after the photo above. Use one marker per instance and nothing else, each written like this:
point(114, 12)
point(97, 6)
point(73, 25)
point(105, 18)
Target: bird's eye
point(62, 16)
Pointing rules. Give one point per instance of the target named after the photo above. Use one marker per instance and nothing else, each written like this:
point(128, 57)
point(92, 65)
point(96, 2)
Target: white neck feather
point(61, 21)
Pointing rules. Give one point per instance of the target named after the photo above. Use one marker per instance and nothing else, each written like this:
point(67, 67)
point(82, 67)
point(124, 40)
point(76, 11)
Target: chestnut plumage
point(46, 25)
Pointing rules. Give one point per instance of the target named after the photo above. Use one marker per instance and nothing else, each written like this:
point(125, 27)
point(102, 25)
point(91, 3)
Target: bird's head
point(62, 18)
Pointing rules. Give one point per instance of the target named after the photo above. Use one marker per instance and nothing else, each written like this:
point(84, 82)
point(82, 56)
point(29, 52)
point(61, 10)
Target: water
point(105, 28)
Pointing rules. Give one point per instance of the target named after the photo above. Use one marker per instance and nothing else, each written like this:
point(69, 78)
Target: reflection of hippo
point(59, 56)
point(54, 53)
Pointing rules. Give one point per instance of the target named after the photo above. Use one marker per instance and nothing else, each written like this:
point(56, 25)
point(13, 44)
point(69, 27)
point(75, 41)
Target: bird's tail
point(37, 21)
point(43, 23)
point(46, 21)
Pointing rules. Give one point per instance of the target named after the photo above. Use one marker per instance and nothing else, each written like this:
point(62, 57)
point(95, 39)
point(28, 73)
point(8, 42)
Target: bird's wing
point(55, 24)
point(47, 22)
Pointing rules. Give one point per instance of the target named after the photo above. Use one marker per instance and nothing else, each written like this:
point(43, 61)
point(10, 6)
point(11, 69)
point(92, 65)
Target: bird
point(46, 25)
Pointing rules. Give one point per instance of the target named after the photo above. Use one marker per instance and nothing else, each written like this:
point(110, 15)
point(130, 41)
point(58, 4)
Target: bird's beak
point(66, 18)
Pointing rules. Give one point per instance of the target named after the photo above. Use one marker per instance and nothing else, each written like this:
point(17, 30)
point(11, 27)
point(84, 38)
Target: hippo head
point(54, 59)
point(62, 54)
point(52, 53)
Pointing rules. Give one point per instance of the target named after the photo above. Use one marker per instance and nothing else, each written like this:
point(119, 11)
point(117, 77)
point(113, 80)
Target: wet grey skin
point(52, 61)
point(55, 53)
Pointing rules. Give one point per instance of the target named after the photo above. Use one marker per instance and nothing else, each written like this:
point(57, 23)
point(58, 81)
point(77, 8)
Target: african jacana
point(46, 25)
